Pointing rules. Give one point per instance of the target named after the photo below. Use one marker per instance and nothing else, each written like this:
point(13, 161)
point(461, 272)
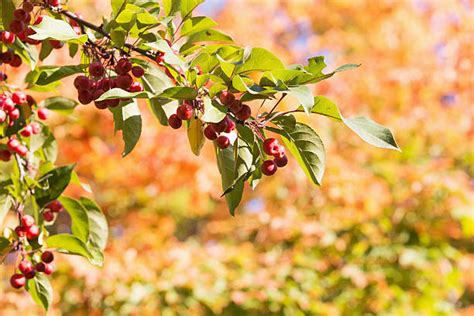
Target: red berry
point(19, 97)
point(14, 114)
point(105, 84)
point(56, 44)
point(20, 15)
point(113, 103)
point(271, 147)
point(55, 206)
point(13, 144)
point(28, 6)
point(48, 216)
point(223, 142)
point(25, 266)
point(40, 267)
point(185, 111)
point(138, 71)
point(8, 104)
point(3, 116)
point(160, 57)
point(230, 125)
point(8, 37)
point(210, 133)
point(22, 150)
point(32, 232)
point(35, 127)
point(281, 161)
point(136, 87)
point(17, 26)
point(174, 121)
point(244, 113)
point(27, 221)
point(6, 57)
point(48, 269)
point(47, 257)
point(97, 94)
point(123, 66)
point(82, 83)
point(269, 168)
point(30, 275)
point(17, 281)
point(16, 61)
point(27, 131)
point(96, 69)
point(43, 113)
point(85, 97)
point(20, 231)
point(221, 126)
point(5, 155)
point(54, 3)
point(101, 105)
point(226, 97)
point(124, 81)
point(235, 106)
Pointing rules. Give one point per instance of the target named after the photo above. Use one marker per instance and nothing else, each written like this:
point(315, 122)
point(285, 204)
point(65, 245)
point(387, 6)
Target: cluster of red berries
point(9, 113)
point(273, 148)
point(184, 112)
point(27, 228)
point(51, 209)
point(9, 57)
point(28, 270)
point(93, 87)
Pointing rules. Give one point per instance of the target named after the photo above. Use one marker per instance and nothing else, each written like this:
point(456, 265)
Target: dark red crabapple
point(30, 275)
point(20, 231)
point(136, 87)
point(184, 111)
point(97, 94)
point(5, 155)
point(271, 147)
point(223, 142)
point(13, 144)
point(226, 97)
point(48, 216)
point(32, 232)
point(85, 97)
point(8, 104)
point(17, 26)
point(96, 69)
point(138, 71)
point(16, 61)
point(123, 66)
point(81, 83)
point(244, 113)
point(269, 168)
point(19, 97)
point(281, 161)
point(43, 113)
point(235, 106)
point(230, 125)
point(210, 133)
point(174, 121)
point(14, 114)
point(25, 266)
point(27, 221)
point(101, 105)
point(124, 81)
point(40, 267)
point(55, 206)
point(6, 57)
point(47, 257)
point(56, 44)
point(30, 100)
point(17, 281)
point(27, 6)
point(221, 126)
point(20, 15)
point(113, 103)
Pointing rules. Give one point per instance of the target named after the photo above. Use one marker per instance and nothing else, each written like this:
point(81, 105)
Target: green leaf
point(371, 132)
point(128, 119)
point(56, 29)
point(60, 104)
point(169, 55)
point(179, 93)
point(171, 6)
point(227, 166)
point(304, 96)
point(306, 146)
point(40, 290)
point(260, 59)
point(8, 6)
point(98, 228)
point(5, 245)
point(45, 143)
point(213, 111)
point(48, 74)
point(127, 18)
point(347, 67)
point(197, 24)
point(188, 6)
point(53, 184)
point(326, 107)
point(117, 93)
point(68, 244)
point(28, 53)
point(118, 6)
point(46, 49)
point(79, 218)
point(196, 135)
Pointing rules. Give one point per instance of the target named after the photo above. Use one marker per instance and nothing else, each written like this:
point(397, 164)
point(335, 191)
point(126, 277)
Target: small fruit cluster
point(27, 228)
point(93, 87)
point(273, 148)
point(28, 270)
point(9, 114)
point(9, 57)
point(184, 112)
point(51, 209)
point(213, 131)
point(20, 25)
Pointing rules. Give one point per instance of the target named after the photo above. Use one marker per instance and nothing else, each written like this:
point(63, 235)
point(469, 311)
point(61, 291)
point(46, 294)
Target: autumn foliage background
point(387, 233)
